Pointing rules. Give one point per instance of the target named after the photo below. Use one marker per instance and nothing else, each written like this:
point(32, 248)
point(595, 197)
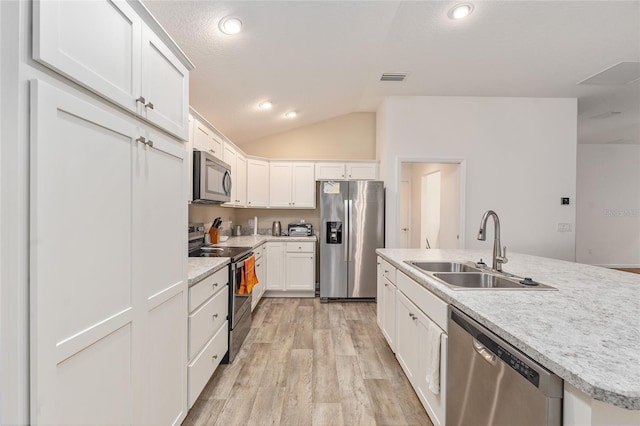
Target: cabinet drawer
point(259, 251)
point(205, 321)
point(201, 369)
point(302, 247)
point(388, 271)
point(202, 290)
point(427, 302)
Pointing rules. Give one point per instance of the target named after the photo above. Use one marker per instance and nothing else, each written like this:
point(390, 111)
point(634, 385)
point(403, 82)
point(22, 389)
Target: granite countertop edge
point(624, 398)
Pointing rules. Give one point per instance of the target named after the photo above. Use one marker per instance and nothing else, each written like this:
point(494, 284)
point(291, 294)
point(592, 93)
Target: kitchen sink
point(443, 266)
point(478, 280)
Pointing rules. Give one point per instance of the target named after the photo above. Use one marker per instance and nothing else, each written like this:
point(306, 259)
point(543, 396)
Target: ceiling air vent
point(393, 76)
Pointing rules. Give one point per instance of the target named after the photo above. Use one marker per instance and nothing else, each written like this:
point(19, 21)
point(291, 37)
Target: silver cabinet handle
point(148, 105)
point(142, 100)
point(145, 141)
point(150, 143)
point(215, 316)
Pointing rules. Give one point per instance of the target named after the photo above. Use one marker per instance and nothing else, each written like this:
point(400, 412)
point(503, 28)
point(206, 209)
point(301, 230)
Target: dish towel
point(432, 354)
point(250, 272)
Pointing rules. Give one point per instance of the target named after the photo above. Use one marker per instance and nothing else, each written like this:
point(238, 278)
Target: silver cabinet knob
point(215, 316)
point(214, 357)
point(142, 100)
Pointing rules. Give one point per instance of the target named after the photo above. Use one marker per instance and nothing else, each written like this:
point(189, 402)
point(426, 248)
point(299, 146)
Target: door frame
point(462, 171)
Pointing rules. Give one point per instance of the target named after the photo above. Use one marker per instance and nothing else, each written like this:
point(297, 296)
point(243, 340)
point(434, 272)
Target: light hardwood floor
point(308, 363)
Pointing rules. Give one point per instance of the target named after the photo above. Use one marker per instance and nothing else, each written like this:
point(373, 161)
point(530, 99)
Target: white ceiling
point(324, 58)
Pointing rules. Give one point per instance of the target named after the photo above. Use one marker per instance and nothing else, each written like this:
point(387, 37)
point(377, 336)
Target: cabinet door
point(94, 43)
point(300, 271)
point(389, 315)
point(304, 185)
point(165, 86)
point(241, 180)
point(81, 307)
point(160, 276)
point(229, 157)
point(434, 403)
point(407, 337)
point(362, 171)
point(189, 146)
point(258, 289)
point(215, 146)
point(380, 294)
point(280, 184)
point(328, 171)
point(202, 137)
point(257, 183)
point(275, 266)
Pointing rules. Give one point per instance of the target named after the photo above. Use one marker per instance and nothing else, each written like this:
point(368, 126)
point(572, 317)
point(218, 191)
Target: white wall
point(608, 205)
point(520, 159)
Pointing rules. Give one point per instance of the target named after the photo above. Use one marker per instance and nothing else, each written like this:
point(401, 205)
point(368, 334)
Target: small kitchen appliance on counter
point(239, 302)
point(300, 230)
point(276, 228)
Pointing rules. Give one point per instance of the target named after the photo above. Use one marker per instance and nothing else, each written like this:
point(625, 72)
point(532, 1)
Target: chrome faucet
point(499, 255)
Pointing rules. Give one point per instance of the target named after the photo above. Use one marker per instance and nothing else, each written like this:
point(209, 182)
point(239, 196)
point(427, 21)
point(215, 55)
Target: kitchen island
point(587, 332)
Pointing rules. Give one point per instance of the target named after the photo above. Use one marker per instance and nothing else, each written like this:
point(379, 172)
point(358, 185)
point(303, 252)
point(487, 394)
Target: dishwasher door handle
point(484, 352)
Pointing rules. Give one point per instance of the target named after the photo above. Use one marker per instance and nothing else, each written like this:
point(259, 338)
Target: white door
point(257, 183)
point(275, 266)
point(165, 86)
point(389, 316)
point(81, 286)
point(95, 43)
point(405, 213)
point(407, 337)
point(430, 211)
point(304, 185)
point(300, 269)
point(280, 185)
point(160, 276)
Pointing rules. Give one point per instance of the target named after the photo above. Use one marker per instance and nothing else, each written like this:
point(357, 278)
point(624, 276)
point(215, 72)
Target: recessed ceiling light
point(230, 25)
point(291, 114)
point(265, 105)
point(459, 11)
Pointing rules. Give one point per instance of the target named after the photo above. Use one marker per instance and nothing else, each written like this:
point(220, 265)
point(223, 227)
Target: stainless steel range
point(239, 304)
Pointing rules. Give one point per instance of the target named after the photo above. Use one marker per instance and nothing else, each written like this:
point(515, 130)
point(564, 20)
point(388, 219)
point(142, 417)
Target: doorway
point(430, 211)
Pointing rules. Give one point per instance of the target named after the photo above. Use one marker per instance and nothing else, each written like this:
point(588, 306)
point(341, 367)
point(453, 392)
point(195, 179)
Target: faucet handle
point(503, 256)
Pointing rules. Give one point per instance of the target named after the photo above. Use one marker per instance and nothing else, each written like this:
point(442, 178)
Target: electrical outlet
point(564, 227)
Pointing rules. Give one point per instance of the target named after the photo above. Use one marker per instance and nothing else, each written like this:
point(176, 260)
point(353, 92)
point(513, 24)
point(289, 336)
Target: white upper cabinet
point(363, 170)
point(165, 86)
point(291, 184)
point(106, 47)
point(257, 183)
point(205, 139)
point(238, 164)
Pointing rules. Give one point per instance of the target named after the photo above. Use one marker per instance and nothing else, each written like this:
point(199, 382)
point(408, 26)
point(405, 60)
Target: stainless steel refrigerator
point(352, 228)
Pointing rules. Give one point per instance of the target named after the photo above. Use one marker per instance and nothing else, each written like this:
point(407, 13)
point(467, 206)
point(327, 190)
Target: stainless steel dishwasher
point(489, 382)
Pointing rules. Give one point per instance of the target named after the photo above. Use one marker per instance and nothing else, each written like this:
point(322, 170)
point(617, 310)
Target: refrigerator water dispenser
point(334, 232)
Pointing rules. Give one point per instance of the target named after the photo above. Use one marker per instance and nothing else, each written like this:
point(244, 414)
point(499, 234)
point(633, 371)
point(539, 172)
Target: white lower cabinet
point(101, 311)
point(291, 268)
point(208, 329)
point(386, 308)
point(259, 289)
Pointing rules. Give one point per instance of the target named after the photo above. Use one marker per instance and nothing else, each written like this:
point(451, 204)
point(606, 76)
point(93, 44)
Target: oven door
point(211, 179)
point(240, 300)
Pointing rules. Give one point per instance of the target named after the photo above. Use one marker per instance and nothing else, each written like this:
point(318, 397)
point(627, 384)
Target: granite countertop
point(202, 267)
point(587, 332)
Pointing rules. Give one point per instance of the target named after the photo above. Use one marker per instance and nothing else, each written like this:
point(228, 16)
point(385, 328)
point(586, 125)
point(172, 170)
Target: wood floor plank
point(304, 327)
point(386, 407)
point(297, 407)
point(327, 414)
point(325, 377)
point(359, 334)
point(204, 412)
point(411, 406)
point(357, 409)
point(267, 407)
point(277, 367)
point(370, 364)
point(321, 315)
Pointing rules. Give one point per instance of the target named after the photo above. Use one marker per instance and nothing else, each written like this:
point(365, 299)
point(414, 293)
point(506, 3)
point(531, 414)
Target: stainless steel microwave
point(211, 179)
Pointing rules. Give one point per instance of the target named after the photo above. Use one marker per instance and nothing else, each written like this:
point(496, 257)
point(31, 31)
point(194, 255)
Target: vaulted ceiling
point(325, 58)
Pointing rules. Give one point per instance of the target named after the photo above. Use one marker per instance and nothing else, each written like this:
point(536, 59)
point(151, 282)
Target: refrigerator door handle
point(350, 230)
point(346, 240)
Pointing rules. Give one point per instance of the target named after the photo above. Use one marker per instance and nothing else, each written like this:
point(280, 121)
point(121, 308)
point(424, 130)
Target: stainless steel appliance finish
point(300, 229)
point(489, 382)
point(276, 228)
point(352, 228)
point(499, 255)
point(211, 179)
point(239, 307)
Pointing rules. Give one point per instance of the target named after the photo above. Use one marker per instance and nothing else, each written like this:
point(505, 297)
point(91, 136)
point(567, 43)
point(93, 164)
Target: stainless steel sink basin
point(443, 266)
point(476, 280)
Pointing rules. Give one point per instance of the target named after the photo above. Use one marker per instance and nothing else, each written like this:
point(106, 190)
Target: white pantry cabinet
point(291, 184)
point(107, 288)
point(363, 170)
point(108, 48)
point(257, 183)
